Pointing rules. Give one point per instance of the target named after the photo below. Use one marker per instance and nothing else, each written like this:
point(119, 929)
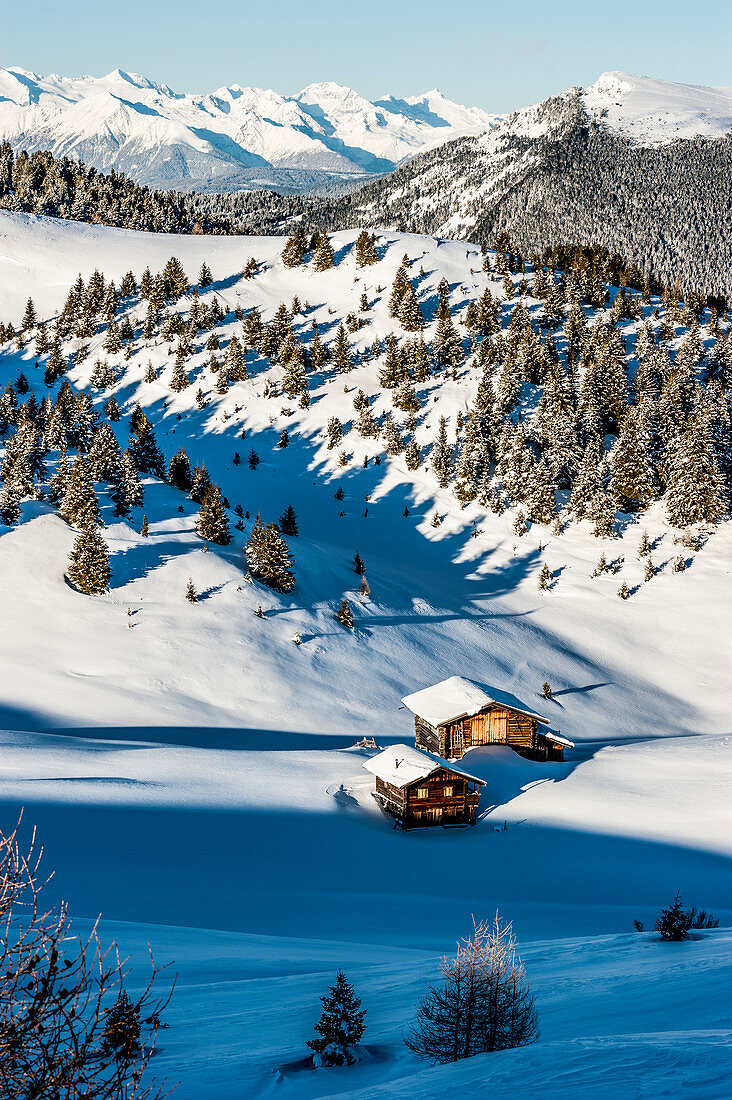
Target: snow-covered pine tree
point(89, 568)
point(695, 492)
point(127, 491)
point(341, 354)
point(268, 556)
point(191, 594)
point(105, 457)
point(79, 505)
point(340, 1027)
point(324, 257)
point(410, 315)
point(632, 478)
point(365, 249)
point(213, 523)
point(9, 504)
point(293, 253)
point(398, 290)
point(344, 614)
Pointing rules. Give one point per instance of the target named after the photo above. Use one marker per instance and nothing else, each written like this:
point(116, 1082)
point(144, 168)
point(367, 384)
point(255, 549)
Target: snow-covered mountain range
point(233, 137)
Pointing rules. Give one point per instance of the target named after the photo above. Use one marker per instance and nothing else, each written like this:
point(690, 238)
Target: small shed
point(420, 790)
point(457, 714)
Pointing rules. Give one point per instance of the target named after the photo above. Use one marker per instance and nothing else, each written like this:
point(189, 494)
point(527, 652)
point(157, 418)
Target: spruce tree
point(344, 615)
point(144, 450)
point(213, 523)
point(341, 352)
point(294, 251)
point(324, 256)
point(442, 456)
point(9, 504)
point(179, 472)
point(365, 249)
point(268, 556)
point(340, 1027)
point(191, 594)
point(127, 492)
point(89, 569)
point(79, 505)
point(288, 521)
point(695, 491)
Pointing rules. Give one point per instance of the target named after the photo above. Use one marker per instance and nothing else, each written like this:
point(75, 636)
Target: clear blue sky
point(494, 55)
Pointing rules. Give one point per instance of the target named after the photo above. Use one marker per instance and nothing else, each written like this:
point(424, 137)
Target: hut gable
point(418, 789)
point(457, 714)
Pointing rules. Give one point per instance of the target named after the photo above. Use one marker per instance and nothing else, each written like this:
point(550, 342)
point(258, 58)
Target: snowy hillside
point(193, 772)
point(228, 139)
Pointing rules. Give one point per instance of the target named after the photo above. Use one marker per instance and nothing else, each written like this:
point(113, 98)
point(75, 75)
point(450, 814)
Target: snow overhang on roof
point(557, 739)
point(400, 765)
point(456, 698)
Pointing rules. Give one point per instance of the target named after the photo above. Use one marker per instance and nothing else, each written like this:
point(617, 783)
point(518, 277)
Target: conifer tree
point(213, 523)
point(398, 290)
point(205, 278)
point(9, 504)
point(179, 471)
point(145, 528)
point(442, 456)
point(191, 594)
point(365, 249)
point(342, 352)
point(89, 569)
point(105, 457)
point(294, 251)
point(127, 492)
point(324, 256)
point(344, 614)
point(144, 451)
point(410, 315)
point(447, 345)
point(268, 556)
point(392, 372)
point(30, 317)
point(412, 454)
point(79, 505)
point(358, 564)
point(340, 1027)
point(288, 521)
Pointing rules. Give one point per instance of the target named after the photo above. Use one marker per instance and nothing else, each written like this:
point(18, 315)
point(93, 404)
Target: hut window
point(448, 792)
point(422, 792)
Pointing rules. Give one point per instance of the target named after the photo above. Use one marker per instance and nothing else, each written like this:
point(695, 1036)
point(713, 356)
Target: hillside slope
point(187, 765)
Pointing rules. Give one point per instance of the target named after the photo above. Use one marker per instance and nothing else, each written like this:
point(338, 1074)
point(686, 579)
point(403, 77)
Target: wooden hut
point(419, 790)
point(456, 715)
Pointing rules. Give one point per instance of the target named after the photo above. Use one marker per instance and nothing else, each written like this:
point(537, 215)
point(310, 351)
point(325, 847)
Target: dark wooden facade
point(444, 797)
point(495, 725)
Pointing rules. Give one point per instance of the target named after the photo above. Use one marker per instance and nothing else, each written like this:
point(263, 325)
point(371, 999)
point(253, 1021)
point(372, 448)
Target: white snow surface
point(194, 775)
point(401, 765)
point(451, 699)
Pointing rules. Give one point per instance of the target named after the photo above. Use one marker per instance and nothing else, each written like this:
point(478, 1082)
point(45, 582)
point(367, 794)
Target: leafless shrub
point(57, 991)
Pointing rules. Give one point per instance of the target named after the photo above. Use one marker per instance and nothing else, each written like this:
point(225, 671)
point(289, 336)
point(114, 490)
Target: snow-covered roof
point(557, 739)
point(456, 698)
point(401, 765)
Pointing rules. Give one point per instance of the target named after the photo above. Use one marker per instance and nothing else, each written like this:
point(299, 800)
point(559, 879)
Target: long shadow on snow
point(273, 872)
